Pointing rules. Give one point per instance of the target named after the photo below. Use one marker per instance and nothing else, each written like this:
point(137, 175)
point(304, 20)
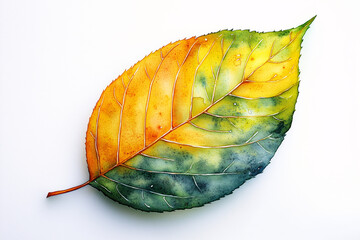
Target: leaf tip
point(311, 20)
point(304, 27)
point(308, 22)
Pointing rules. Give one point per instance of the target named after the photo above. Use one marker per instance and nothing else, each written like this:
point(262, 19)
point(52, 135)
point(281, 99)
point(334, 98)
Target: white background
point(56, 57)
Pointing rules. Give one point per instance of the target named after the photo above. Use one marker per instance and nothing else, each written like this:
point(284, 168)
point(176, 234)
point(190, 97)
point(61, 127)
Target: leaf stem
point(50, 194)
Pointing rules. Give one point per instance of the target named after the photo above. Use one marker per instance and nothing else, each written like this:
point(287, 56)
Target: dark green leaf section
point(170, 176)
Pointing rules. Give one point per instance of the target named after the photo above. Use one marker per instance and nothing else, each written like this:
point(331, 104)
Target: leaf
point(194, 120)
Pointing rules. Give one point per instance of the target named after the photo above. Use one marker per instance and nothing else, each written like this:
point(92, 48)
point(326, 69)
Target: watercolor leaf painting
point(194, 120)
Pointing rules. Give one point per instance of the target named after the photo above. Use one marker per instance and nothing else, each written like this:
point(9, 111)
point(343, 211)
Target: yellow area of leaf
point(273, 67)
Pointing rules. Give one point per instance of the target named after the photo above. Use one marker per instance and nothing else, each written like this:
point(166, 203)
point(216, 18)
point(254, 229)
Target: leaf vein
point(143, 189)
point(218, 71)
point(121, 115)
point(166, 159)
point(197, 186)
point(195, 74)
point(222, 146)
point(209, 130)
point(174, 86)
point(150, 88)
point(117, 189)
